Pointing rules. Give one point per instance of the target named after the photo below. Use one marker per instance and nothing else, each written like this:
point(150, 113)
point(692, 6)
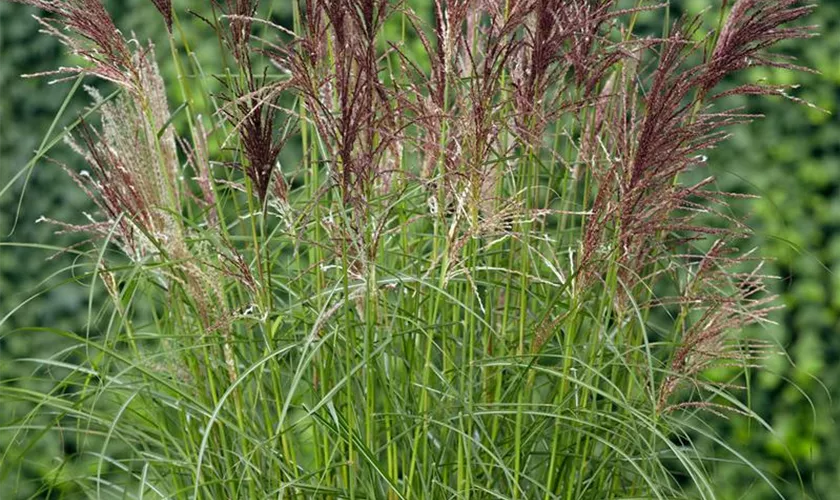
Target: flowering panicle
point(562, 39)
point(252, 110)
point(241, 14)
point(637, 195)
point(92, 36)
point(135, 176)
point(348, 103)
point(721, 300)
point(165, 9)
point(752, 26)
point(135, 179)
point(199, 159)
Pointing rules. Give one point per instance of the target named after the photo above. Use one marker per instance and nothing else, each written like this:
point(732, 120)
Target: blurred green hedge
point(791, 160)
point(46, 282)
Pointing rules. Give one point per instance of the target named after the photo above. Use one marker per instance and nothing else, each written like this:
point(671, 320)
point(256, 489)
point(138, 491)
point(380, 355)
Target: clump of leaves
point(457, 295)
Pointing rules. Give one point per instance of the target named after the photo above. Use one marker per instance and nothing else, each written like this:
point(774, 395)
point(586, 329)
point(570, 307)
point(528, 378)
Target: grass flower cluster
point(496, 269)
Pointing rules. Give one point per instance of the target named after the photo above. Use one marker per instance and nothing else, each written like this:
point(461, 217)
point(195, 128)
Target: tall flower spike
point(706, 342)
point(135, 167)
point(752, 26)
point(165, 8)
point(252, 110)
point(347, 100)
point(94, 37)
point(637, 194)
point(241, 13)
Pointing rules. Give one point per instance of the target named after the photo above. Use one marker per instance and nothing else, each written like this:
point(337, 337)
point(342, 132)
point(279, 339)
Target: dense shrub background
point(791, 159)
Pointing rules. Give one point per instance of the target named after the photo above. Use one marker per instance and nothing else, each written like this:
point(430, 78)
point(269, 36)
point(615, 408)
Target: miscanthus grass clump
point(493, 268)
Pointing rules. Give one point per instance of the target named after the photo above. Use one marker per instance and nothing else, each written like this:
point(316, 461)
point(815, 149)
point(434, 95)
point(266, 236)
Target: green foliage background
point(791, 160)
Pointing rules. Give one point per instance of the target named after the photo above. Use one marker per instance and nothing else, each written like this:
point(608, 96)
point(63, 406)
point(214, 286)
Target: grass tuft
point(494, 269)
